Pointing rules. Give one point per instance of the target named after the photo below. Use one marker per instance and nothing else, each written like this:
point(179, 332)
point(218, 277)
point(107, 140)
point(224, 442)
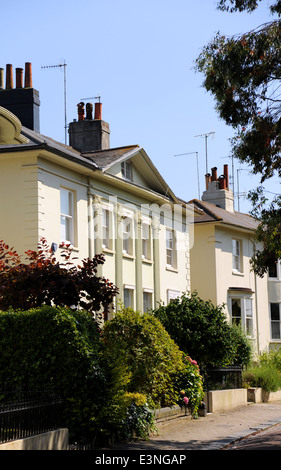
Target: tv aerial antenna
point(206, 138)
point(64, 65)
point(92, 98)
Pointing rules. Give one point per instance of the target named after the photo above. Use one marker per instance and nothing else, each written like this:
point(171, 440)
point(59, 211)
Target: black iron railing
point(25, 414)
point(224, 378)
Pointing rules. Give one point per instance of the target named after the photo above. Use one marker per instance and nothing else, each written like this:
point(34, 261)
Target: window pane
point(249, 316)
point(105, 228)
point(63, 228)
point(236, 254)
point(66, 202)
point(147, 301)
point(272, 270)
point(275, 311)
point(127, 225)
point(275, 330)
point(128, 298)
point(236, 311)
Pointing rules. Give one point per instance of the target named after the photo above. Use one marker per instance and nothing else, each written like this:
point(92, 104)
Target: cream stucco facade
point(52, 191)
point(224, 243)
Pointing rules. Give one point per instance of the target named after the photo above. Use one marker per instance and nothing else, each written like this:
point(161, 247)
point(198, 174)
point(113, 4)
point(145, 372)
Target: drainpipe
point(90, 221)
point(256, 300)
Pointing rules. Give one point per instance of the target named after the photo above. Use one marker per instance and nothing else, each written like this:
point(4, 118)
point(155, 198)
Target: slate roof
point(212, 214)
point(105, 158)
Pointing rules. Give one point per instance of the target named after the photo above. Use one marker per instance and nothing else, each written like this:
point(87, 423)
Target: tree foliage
point(201, 330)
point(42, 280)
point(267, 233)
point(243, 74)
point(246, 5)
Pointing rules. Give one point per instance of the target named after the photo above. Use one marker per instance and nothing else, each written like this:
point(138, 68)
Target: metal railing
point(24, 414)
point(224, 377)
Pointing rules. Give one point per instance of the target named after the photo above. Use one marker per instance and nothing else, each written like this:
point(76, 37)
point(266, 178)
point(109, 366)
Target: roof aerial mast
point(64, 65)
point(206, 137)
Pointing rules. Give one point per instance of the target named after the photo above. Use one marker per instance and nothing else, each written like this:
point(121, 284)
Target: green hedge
point(54, 349)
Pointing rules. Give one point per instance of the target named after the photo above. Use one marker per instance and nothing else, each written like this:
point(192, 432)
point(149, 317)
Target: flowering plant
point(189, 383)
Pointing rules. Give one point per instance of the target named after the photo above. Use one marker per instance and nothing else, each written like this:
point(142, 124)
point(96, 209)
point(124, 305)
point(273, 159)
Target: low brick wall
point(223, 400)
point(52, 440)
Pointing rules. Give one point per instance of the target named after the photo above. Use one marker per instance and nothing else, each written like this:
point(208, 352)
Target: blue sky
point(139, 57)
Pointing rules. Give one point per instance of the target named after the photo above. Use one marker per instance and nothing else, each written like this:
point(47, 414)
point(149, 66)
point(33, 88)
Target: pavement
point(215, 431)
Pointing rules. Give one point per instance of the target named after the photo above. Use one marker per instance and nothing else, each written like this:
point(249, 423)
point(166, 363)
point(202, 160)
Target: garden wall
point(258, 395)
point(223, 400)
point(51, 440)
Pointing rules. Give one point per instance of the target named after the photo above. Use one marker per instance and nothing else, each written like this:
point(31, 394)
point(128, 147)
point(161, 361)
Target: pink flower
point(186, 400)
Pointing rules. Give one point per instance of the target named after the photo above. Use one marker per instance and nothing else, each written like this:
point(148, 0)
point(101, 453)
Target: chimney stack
point(9, 77)
point(81, 111)
point(28, 75)
point(1, 78)
point(225, 172)
point(89, 111)
point(214, 174)
point(89, 135)
point(21, 101)
point(19, 78)
point(217, 190)
point(98, 110)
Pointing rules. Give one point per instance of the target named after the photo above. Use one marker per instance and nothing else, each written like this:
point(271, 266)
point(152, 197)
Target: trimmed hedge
point(54, 349)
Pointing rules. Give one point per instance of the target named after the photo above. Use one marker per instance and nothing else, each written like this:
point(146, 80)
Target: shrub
point(272, 358)
point(265, 372)
point(42, 279)
point(154, 364)
point(201, 330)
point(263, 375)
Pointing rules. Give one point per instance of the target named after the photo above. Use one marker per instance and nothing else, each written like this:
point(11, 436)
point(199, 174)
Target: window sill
point(147, 261)
point(128, 256)
point(170, 268)
point(107, 250)
point(237, 273)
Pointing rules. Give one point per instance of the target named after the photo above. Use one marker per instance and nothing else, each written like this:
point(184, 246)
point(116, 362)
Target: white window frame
point(171, 254)
point(274, 322)
point(172, 295)
point(126, 170)
point(246, 310)
point(67, 218)
point(237, 256)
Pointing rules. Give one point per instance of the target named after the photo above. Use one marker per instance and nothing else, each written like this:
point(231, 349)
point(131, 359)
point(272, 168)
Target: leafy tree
point(201, 330)
point(43, 280)
point(243, 74)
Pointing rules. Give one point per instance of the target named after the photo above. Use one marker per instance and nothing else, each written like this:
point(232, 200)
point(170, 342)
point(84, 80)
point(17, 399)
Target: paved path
point(212, 432)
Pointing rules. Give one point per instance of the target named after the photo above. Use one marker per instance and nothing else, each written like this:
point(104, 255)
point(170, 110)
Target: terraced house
point(97, 198)
point(224, 242)
point(114, 201)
